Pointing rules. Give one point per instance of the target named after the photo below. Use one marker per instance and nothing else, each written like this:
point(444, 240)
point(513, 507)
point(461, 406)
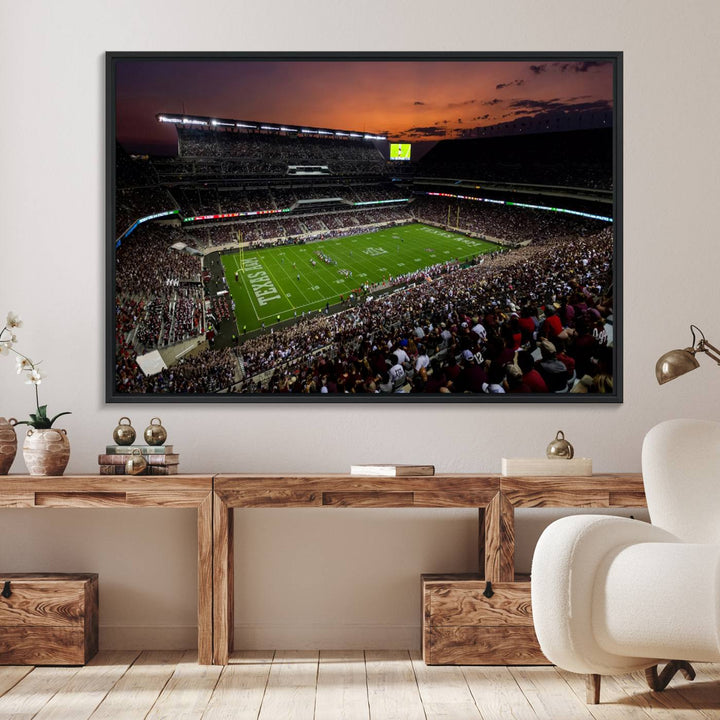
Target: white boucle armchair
point(613, 595)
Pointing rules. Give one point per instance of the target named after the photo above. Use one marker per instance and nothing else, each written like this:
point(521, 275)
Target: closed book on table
point(109, 459)
point(392, 470)
point(144, 449)
point(547, 467)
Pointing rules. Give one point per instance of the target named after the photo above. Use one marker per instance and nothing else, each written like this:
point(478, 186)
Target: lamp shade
point(675, 363)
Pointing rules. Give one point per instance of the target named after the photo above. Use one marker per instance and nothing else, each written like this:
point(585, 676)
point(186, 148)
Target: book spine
point(109, 459)
point(112, 469)
point(144, 449)
point(162, 470)
point(149, 470)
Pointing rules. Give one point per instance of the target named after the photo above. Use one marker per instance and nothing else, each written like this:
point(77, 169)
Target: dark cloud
point(482, 117)
point(430, 130)
point(537, 69)
point(418, 102)
point(581, 67)
point(460, 120)
point(461, 104)
point(512, 83)
point(536, 104)
point(526, 107)
point(494, 101)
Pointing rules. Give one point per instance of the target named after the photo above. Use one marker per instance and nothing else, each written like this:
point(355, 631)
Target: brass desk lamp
point(677, 362)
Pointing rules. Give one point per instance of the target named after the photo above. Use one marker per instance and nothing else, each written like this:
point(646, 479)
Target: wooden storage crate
point(48, 618)
point(461, 626)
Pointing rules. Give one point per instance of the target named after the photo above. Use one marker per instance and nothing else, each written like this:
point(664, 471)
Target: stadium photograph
point(427, 227)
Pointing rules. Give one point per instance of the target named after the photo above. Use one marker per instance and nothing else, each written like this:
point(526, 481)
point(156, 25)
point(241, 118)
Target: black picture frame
point(113, 394)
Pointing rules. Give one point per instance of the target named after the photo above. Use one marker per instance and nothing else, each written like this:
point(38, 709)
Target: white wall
point(319, 577)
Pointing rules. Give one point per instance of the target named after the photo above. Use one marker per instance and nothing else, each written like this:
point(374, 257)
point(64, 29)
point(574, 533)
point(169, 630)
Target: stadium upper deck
point(228, 167)
point(250, 149)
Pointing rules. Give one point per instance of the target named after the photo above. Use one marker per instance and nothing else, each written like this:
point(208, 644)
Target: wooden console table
point(126, 491)
point(215, 498)
point(495, 497)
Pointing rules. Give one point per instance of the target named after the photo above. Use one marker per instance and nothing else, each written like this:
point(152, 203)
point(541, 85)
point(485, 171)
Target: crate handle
point(6, 592)
point(488, 592)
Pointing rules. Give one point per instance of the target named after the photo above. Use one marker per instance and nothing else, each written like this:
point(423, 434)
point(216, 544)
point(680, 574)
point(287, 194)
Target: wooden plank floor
point(344, 685)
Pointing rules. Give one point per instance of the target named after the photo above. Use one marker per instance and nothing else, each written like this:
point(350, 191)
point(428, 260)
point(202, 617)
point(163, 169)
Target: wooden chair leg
point(659, 682)
point(592, 689)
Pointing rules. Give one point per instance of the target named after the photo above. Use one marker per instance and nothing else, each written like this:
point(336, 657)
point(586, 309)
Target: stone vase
point(46, 451)
point(8, 444)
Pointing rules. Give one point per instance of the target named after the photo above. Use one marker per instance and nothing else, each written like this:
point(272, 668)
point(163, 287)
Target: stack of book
point(160, 459)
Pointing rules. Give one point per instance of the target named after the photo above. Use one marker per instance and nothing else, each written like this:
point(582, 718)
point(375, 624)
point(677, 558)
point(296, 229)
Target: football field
point(282, 282)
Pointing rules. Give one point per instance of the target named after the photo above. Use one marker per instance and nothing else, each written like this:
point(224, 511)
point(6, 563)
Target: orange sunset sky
point(410, 101)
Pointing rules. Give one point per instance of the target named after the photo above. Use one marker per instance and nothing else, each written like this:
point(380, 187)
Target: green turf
point(270, 287)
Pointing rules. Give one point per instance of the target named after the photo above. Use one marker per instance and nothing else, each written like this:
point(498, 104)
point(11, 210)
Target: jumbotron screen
point(400, 151)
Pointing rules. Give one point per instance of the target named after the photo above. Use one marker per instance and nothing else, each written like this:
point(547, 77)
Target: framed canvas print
point(378, 227)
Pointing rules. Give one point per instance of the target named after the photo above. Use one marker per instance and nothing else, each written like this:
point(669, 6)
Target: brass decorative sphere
point(155, 433)
point(124, 433)
point(560, 448)
point(136, 463)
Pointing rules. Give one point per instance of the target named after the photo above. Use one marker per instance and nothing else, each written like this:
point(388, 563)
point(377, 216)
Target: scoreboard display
point(400, 151)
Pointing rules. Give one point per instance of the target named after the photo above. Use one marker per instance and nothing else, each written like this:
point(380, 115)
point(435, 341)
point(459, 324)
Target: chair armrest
point(659, 600)
point(565, 563)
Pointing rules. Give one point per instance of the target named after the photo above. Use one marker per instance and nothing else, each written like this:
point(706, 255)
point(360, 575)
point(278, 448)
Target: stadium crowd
point(208, 372)
point(271, 154)
point(533, 320)
point(511, 224)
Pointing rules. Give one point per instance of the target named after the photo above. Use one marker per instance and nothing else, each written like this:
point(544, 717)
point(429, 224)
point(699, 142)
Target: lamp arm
point(710, 350)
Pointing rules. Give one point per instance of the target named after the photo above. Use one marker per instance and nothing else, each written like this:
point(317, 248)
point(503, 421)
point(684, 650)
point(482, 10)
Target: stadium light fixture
point(308, 130)
point(678, 362)
point(269, 127)
point(243, 125)
point(355, 135)
point(284, 129)
point(342, 134)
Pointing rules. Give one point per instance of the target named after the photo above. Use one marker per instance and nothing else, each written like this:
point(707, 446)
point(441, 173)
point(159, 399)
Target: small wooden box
point(461, 626)
point(48, 618)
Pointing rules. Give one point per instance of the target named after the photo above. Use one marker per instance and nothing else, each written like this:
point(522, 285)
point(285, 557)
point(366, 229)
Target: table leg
point(499, 518)
point(205, 579)
point(223, 581)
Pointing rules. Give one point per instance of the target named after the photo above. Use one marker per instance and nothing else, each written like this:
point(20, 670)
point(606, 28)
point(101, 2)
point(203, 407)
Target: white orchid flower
point(5, 346)
point(35, 377)
point(23, 364)
point(13, 320)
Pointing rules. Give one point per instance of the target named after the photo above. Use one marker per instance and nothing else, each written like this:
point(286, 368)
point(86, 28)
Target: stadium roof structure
point(216, 123)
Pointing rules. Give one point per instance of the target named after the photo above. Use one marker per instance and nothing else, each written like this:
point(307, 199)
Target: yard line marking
point(295, 285)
